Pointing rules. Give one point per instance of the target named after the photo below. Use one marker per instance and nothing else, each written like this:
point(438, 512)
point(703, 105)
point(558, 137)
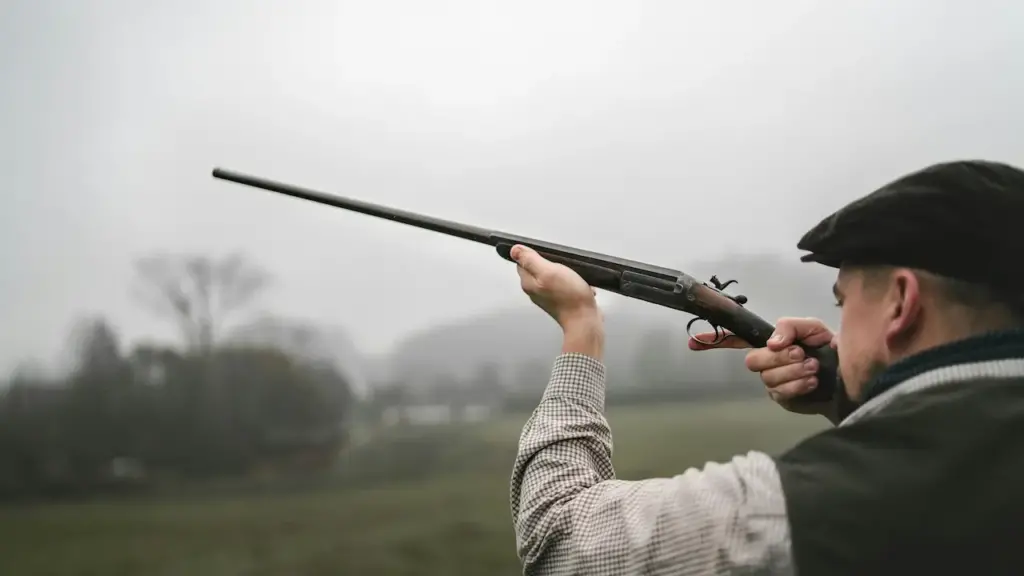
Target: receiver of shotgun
point(663, 286)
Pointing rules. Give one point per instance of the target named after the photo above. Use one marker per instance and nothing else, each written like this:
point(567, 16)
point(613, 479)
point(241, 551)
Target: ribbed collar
point(994, 354)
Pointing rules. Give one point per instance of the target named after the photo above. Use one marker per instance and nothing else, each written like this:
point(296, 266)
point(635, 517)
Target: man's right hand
point(782, 365)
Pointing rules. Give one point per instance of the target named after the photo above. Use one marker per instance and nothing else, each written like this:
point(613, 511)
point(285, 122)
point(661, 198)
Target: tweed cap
point(962, 219)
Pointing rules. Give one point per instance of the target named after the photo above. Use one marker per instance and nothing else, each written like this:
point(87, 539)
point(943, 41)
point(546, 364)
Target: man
point(925, 476)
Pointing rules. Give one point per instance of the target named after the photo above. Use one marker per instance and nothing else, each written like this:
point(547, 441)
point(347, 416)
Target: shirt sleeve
point(572, 516)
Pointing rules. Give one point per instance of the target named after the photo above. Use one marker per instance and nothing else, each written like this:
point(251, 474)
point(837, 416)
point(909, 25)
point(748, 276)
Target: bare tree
point(199, 293)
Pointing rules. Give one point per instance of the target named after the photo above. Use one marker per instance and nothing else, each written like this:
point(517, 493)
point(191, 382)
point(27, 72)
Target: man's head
point(933, 257)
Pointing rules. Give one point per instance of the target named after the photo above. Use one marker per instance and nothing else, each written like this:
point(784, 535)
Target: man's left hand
point(562, 293)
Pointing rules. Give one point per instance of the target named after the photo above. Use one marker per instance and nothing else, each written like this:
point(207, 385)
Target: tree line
point(199, 408)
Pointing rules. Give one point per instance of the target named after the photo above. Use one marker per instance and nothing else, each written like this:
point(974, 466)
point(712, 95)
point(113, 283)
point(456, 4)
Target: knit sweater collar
point(993, 354)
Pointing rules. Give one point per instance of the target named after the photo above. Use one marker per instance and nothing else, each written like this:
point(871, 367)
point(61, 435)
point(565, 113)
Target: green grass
point(454, 523)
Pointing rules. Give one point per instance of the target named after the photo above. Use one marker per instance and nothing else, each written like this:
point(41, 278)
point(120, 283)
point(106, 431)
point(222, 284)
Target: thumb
point(808, 331)
point(527, 258)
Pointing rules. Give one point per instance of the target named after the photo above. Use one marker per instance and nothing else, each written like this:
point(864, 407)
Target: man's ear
point(903, 306)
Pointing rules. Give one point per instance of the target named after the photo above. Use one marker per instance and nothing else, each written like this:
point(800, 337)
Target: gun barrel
point(464, 231)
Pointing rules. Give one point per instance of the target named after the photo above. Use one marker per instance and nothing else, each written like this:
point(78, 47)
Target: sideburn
point(874, 370)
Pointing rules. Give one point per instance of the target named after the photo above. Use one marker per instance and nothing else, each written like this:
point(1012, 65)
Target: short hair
point(978, 297)
point(983, 302)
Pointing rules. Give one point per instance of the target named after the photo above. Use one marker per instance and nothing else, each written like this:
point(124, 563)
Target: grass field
point(448, 523)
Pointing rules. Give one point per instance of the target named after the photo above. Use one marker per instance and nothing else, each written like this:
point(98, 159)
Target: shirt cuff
point(577, 377)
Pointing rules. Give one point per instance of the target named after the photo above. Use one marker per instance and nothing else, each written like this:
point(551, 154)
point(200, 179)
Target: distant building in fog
point(435, 414)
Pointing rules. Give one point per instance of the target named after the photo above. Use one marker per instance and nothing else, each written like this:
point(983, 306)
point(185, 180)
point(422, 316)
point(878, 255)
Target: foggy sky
point(668, 132)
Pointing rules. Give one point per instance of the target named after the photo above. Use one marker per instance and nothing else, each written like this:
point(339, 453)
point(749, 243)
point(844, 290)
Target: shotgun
point(655, 284)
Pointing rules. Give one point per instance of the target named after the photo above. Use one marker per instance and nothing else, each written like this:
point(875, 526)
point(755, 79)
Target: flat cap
point(962, 219)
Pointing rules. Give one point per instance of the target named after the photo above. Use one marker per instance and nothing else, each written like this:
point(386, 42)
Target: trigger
point(719, 333)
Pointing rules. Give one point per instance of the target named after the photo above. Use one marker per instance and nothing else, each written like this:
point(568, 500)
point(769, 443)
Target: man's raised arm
point(572, 516)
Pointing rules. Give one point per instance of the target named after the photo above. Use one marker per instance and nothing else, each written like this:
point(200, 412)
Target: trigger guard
point(719, 334)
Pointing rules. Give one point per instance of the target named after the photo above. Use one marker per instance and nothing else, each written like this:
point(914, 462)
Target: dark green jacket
point(927, 477)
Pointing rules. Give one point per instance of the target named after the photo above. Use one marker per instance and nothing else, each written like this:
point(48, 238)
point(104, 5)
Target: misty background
point(677, 133)
point(706, 137)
